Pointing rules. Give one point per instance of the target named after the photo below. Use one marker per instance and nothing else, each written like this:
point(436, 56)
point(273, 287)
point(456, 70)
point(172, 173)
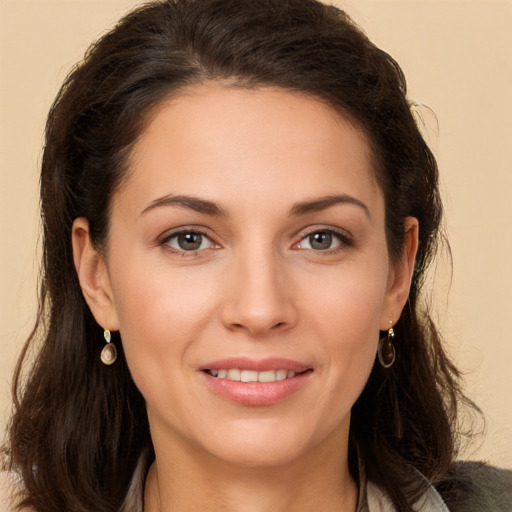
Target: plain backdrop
point(457, 56)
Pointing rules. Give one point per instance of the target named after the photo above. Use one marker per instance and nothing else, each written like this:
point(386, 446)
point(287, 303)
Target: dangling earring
point(386, 350)
point(109, 352)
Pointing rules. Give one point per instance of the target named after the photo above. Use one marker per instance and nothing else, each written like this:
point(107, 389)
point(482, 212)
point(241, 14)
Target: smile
point(237, 375)
point(249, 382)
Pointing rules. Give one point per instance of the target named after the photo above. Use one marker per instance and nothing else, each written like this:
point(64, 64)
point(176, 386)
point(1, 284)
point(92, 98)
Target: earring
point(109, 352)
point(386, 350)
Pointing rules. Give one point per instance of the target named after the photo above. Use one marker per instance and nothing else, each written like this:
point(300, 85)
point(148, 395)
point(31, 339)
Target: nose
point(259, 297)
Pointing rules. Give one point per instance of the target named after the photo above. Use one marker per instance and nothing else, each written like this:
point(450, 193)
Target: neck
point(316, 481)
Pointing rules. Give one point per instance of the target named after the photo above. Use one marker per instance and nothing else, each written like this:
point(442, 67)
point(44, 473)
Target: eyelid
point(344, 237)
point(164, 239)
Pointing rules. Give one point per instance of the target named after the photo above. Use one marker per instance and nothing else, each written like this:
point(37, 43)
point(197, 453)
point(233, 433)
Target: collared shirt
point(378, 501)
point(490, 489)
point(373, 498)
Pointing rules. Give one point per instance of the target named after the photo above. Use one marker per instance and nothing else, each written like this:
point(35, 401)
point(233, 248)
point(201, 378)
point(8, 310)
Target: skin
point(258, 287)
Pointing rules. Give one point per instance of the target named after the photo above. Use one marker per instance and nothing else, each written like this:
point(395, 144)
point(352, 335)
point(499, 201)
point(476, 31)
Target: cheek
point(165, 315)
point(347, 319)
point(350, 304)
point(152, 305)
point(354, 338)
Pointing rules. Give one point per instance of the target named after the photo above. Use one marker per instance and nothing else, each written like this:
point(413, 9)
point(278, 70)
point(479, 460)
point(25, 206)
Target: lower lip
point(257, 393)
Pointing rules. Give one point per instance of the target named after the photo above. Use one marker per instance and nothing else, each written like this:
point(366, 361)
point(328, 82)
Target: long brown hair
point(80, 427)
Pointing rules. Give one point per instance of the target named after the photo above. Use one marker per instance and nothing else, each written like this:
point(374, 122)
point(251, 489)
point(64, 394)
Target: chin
point(250, 453)
point(265, 443)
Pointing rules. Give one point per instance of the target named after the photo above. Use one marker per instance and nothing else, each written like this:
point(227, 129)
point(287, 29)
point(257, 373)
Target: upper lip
point(258, 365)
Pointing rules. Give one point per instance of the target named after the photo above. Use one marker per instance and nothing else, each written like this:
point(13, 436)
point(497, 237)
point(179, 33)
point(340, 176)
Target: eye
point(323, 240)
point(189, 241)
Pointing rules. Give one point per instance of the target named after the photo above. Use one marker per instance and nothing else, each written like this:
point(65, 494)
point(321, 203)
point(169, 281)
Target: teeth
point(252, 376)
point(269, 376)
point(248, 376)
point(281, 374)
point(233, 374)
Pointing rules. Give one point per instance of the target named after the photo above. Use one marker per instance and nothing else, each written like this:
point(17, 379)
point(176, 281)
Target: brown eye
point(321, 240)
point(189, 241)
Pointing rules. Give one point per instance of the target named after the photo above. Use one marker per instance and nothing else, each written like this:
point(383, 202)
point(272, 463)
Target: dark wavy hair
point(80, 427)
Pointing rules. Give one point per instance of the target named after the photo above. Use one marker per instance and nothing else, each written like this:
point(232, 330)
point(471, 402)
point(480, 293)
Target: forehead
point(214, 139)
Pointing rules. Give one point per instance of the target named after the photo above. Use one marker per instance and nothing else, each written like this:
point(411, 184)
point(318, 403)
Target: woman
point(239, 211)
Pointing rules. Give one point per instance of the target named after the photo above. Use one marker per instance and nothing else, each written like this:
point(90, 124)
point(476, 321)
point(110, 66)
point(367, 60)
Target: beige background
point(457, 55)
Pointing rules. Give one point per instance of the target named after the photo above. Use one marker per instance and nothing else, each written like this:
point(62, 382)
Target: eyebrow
point(190, 202)
point(326, 202)
point(210, 208)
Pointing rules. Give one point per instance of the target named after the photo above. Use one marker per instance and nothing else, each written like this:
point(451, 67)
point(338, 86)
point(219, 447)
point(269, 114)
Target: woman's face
point(248, 242)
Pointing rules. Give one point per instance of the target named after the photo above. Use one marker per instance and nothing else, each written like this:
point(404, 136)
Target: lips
point(238, 375)
point(256, 383)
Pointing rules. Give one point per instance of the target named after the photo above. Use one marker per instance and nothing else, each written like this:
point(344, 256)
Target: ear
point(93, 276)
point(400, 276)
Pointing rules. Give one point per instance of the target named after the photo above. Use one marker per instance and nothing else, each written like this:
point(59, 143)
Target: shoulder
point(486, 488)
point(9, 487)
point(492, 486)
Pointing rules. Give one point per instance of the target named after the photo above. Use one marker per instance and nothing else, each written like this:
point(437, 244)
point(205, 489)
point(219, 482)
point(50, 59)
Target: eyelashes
point(324, 240)
point(192, 242)
point(189, 241)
